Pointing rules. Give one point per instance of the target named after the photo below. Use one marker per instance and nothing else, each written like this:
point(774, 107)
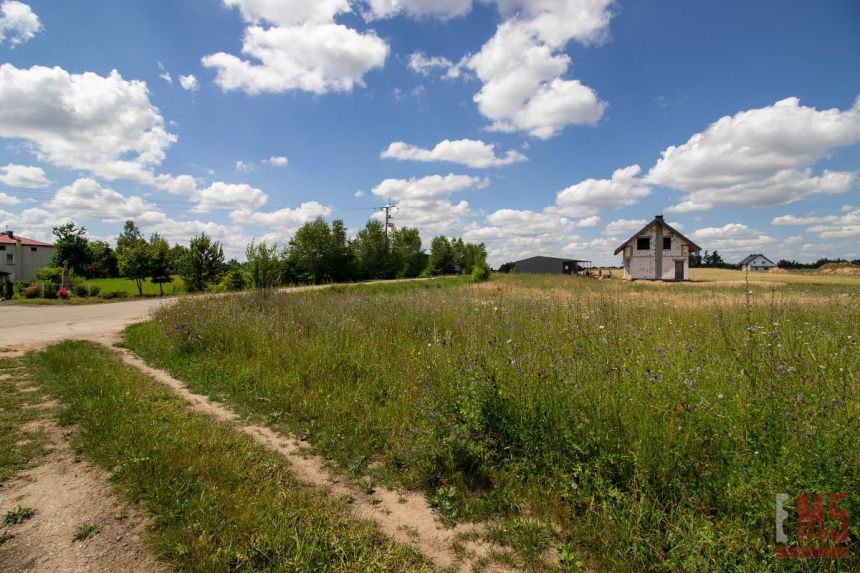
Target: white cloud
point(469, 152)
point(624, 226)
point(442, 9)
point(733, 240)
point(587, 197)
point(760, 157)
point(303, 49)
point(359, 194)
point(424, 65)
point(284, 220)
point(189, 83)
point(18, 22)
point(88, 199)
point(222, 195)
point(827, 226)
point(23, 176)
point(277, 161)
point(589, 222)
point(425, 203)
point(8, 199)
point(244, 167)
point(104, 125)
point(166, 77)
point(523, 65)
point(787, 220)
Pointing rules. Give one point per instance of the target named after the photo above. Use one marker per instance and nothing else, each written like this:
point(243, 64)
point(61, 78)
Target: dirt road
point(27, 326)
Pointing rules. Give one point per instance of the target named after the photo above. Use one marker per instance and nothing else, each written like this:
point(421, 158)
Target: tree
point(129, 237)
point(695, 259)
point(103, 261)
point(159, 263)
point(441, 261)
point(135, 263)
point(265, 267)
point(203, 264)
point(178, 254)
point(318, 253)
point(372, 252)
point(338, 258)
point(409, 259)
point(71, 244)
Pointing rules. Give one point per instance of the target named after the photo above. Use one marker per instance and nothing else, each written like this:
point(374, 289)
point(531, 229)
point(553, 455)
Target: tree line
point(319, 252)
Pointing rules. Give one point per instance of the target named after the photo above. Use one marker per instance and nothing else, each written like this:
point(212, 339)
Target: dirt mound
point(777, 270)
point(840, 269)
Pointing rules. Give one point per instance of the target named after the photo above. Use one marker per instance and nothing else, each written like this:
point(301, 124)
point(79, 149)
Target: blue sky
point(535, 126)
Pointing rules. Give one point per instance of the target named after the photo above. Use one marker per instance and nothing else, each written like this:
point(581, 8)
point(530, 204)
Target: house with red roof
point(20, 257)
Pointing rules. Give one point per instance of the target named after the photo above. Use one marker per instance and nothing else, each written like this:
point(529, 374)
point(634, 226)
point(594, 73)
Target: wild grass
point(17, 447)
point(621, 427)
point(129, 286)
point(219, 501)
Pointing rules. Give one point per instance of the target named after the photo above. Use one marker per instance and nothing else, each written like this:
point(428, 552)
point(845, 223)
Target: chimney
point(659, 217)
point(9, 234)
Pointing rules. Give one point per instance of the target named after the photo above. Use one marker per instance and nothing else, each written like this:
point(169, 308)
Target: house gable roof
point(658, 220)
point(750, 258)
point(7, 240)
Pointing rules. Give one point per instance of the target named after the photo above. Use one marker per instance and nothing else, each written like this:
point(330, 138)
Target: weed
point(85, 532)
point(18, 515)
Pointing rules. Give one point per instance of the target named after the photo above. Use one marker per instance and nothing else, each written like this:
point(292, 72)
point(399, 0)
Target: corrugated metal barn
point(551, 266)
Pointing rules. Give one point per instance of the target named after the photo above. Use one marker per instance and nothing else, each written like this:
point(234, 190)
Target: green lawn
point(129, 286)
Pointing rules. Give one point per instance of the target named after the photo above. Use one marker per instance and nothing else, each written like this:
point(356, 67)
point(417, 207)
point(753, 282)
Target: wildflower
point(720, 396)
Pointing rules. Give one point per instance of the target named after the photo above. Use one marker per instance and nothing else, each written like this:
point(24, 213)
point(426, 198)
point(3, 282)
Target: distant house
point(756, 262)
point(20, 258)
point(551, 266)
point(657, 252)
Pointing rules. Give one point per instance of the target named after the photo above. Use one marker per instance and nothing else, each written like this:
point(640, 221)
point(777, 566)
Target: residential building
point(657, 252)
point(20, 258)
point(756, 262)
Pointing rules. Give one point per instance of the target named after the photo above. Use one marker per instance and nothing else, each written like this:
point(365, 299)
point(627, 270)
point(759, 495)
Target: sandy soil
point(67, 493)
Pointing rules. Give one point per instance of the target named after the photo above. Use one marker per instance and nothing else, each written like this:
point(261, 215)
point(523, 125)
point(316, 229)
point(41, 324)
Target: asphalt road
point(26, 326)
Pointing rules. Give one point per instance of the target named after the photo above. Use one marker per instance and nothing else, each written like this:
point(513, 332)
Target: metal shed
point(551, 265)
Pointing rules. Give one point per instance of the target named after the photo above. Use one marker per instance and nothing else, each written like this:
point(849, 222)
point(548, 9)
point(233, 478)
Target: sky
point(538, 127)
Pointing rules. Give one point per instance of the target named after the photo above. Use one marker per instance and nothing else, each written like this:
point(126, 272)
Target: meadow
point(590, 423)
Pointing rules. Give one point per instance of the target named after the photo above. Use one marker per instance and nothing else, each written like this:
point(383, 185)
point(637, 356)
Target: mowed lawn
point(130, 287)
point(603, 424)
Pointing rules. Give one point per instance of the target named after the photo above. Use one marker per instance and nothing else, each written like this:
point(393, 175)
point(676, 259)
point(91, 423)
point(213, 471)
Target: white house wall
point(643, 264)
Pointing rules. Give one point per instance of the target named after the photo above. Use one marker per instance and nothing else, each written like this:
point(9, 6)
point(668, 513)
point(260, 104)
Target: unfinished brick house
point(657, 252)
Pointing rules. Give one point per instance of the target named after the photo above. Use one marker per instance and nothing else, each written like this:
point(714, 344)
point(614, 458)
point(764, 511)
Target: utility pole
point(389, 217)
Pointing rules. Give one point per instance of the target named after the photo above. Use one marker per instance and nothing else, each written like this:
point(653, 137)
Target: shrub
point(480, 273)
point(32, 291)
point(81, 290)
point(111, 294)
point(50, 274)
point(95, 290)
point(8, 290)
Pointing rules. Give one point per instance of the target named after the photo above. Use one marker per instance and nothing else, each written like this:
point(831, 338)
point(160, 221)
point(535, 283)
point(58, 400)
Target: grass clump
point(17, 448)
point(219, 501)
point(637, 427)
point(84, 532)
point(18, 515)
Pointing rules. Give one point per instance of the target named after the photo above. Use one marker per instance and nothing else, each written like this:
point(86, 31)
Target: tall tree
point(409, 259)
point(204, 263)
point(129, 237)
point(372, 252)
point(134, 263)
point(159, 262)
point(103, 261)
point(71, 244)
point(318, 253)
point(264, 264)
point(441, 261)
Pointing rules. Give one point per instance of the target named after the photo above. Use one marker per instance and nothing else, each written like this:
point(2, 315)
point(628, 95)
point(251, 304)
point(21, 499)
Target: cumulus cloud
point(283, 220)
point(23, 176)
point(297, 45)
point(468, 152)
point(442, 9)
point(87, 199)
point(624, 226)
point(424, 65)
point(523, 65)
point(760, 157)
point(277, 161)
point(104, 125)
point(222, 195)
point(189, 83)
point(733, 240)
point(586, 198)
point(18, 23)
point(8, 199)
point(425, 203)
point(826, 226)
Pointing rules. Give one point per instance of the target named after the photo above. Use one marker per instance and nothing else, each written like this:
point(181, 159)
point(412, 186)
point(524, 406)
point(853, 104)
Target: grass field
point(129, 286)
point(219, 501)
point(622, 426)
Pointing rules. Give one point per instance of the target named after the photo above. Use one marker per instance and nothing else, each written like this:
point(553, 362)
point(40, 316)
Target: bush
point(480, 273)
point(80, 290)
point(112, 294)
point(95, 290)
point(32, 291)
point(8, 290)
point(50, 275)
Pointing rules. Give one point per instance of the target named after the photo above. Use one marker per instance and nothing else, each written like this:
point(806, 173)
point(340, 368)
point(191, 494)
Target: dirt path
point(67, 493)
point(405, 517)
